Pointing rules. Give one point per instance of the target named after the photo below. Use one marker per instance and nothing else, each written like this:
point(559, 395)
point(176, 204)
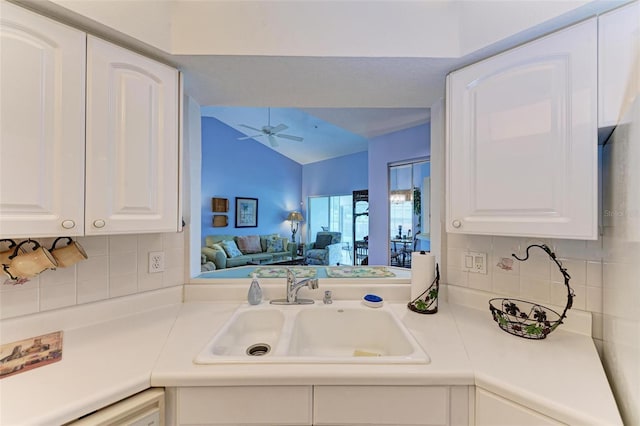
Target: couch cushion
point(231, 248)
point(275, 245)
point(322, 241)
point(249, 244)
point(239, 261)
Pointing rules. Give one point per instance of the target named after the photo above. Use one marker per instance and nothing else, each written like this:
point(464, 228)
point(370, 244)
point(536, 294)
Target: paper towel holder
point(427, 301)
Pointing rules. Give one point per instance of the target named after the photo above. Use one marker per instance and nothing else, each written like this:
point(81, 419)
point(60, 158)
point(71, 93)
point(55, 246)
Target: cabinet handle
point(68, 224)
point(456, 223)
point(99, 223)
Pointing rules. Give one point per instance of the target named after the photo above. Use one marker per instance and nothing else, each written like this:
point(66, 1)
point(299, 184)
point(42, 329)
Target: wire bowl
point(524, 319)
point(527, 319)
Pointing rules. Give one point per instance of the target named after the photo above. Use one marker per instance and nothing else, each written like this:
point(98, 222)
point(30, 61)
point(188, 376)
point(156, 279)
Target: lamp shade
point(295, 217)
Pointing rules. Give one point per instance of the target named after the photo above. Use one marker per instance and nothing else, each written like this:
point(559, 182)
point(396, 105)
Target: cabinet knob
point(68, 224)
point(456, 223)
point(99, 223)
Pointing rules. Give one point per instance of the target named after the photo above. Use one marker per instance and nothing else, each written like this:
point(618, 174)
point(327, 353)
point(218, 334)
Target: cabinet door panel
point(522, 140)
point(132, 142)
point(42, 68)
point(381, 405)
point(244, 405)
point(493, 410)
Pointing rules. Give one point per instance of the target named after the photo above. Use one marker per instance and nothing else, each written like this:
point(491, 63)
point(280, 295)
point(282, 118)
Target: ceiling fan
point(271, 132)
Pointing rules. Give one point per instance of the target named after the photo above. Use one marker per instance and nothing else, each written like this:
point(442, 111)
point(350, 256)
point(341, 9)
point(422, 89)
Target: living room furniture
point(326, 250)
point(228, 251)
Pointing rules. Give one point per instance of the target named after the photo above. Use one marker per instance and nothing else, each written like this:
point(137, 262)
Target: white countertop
point(108, 360)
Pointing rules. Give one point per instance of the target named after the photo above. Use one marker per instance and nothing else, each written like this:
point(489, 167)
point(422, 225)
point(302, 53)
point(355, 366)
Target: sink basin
point(344, 332)
point(246, 328)
point(349, 332)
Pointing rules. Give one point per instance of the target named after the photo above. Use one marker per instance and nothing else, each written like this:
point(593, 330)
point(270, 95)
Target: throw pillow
point(263, 240)
point(231, 248)
point(249, 244)
point(322, 241)
point(275, 245)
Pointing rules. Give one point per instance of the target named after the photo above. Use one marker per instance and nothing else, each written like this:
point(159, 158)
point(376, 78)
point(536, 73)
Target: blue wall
point(408, 144)
point(233, 168)
point(337, 176)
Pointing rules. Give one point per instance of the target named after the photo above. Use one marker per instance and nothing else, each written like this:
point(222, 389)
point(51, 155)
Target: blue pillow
point(275, 245)
point(231, 248)
point(322, 241)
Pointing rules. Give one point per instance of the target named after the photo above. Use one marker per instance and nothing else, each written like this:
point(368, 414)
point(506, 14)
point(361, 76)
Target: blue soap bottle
point(254, 297)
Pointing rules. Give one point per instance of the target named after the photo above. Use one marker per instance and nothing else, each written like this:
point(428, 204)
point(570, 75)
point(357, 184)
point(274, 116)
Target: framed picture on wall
point(246, 212)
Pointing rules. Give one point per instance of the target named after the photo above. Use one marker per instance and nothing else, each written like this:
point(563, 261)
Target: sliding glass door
point(332, 213)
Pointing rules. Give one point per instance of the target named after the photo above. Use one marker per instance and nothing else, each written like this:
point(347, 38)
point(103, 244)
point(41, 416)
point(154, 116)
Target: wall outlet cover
point(156, 262)
point(475, 262)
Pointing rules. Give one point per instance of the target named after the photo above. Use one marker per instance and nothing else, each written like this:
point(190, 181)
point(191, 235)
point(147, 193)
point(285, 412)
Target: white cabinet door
point(132, 142)
point(522, 140)
point(244, 405)
point(618, 54)
point(493, 410)
point(381, 405)
point(42, 71)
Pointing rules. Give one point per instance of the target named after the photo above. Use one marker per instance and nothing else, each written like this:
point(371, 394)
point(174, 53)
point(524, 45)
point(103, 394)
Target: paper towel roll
point(423, 272)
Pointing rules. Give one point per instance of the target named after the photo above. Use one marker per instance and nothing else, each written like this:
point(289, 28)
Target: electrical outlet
point(156, 261)
point(474, 262)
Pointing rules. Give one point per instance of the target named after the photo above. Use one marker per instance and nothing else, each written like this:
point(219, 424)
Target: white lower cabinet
point(143, 409)
point(323, 405)
point(244, 405)
point(493, 410)
point(391, 405)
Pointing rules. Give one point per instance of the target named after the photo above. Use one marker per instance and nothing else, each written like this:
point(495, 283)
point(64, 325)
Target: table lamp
point(295, 218)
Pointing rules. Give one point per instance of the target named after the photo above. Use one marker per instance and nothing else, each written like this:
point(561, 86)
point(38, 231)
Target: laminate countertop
point(122, 353)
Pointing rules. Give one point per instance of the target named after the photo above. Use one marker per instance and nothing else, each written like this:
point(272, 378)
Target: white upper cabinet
point(132, 142)
point(522, 140)
point(619, 66)
point(42, 71)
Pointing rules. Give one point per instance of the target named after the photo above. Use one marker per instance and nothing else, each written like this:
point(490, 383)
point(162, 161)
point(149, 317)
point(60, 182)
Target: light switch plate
point(475, 262)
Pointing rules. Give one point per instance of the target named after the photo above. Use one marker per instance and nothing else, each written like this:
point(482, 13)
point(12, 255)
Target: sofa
point(228, 251)
point(326, 250)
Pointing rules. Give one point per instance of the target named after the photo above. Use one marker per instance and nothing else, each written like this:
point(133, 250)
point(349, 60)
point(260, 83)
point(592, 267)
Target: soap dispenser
point(254, 297)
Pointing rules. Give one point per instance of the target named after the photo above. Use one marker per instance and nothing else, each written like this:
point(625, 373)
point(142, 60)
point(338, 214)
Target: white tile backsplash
point(117, 266)
point(536, 279)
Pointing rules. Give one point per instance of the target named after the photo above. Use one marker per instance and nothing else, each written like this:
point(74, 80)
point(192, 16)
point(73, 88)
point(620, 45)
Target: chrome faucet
point(293, 287)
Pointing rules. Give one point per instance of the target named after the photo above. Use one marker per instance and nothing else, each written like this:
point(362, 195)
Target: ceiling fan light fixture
point(271, 132)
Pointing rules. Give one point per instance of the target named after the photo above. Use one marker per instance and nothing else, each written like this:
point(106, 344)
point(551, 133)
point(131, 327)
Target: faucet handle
point(327, 297)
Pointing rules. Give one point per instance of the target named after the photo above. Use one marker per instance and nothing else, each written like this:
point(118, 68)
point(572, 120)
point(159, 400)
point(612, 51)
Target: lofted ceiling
point(327, 132)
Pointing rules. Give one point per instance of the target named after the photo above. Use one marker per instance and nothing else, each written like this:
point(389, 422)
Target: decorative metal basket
point(526, 319)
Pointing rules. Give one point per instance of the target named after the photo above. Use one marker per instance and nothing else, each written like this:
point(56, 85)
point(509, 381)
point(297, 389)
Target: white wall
point(117, 266)
point(373, 28)
point(192, 183)
point(621, 262)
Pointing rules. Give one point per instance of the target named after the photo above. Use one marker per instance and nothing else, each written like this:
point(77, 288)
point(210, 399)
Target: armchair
point(326, 250)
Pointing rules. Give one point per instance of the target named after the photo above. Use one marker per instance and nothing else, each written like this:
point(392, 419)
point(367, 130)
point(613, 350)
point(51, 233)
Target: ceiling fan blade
point(249, 127)
point(280, 127)
point(273, 141)
point(293, 138)
point(250, 137)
